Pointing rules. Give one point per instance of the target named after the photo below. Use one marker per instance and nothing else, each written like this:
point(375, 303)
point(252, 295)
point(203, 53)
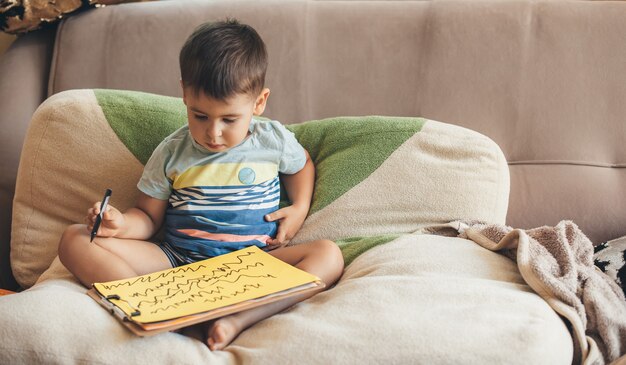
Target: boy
point(213, 183)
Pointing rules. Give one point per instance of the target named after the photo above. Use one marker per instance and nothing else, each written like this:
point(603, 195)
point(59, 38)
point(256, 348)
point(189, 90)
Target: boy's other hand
point(112, 220)
point(289, 220)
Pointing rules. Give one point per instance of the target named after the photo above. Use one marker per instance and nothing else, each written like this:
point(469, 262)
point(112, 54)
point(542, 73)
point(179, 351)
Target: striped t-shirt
point(218, 200)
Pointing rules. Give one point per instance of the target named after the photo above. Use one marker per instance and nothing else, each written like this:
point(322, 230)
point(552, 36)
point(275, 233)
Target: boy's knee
point(332, 253)
point(73, 232)
point(69, 238)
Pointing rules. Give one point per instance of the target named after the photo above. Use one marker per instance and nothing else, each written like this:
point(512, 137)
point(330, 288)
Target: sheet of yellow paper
point(205, 285)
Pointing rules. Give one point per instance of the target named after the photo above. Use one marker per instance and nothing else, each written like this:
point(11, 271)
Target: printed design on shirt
point(246, 175)
point(225, 174)
point(218, 208)
point(223, 236)
point(227, 198)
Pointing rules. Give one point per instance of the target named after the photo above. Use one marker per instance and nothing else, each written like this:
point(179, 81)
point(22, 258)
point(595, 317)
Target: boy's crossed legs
point(107, 259)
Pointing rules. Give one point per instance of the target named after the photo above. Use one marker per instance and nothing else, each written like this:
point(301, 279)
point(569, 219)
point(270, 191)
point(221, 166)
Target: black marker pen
point(103, 206)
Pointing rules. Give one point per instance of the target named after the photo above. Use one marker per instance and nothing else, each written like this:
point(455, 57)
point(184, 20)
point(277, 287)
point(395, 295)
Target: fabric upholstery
point(610, 257)
point(540, 78)
point(543, 79)
point(440, 171)
point(23, 80)
point(418, 299)
point(375, 176)
point(71, 155)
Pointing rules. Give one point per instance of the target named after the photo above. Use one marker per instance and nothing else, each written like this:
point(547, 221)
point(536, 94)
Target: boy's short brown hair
point(222, 59)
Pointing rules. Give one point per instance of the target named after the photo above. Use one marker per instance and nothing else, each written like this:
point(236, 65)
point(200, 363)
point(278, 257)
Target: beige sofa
point(542, 79)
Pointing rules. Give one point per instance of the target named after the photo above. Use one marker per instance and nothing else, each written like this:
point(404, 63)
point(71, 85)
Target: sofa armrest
point(24, 70)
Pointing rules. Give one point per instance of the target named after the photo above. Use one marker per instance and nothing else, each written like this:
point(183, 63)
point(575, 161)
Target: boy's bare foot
point(222, 332)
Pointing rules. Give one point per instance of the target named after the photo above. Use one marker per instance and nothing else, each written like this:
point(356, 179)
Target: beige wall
point(5, 41)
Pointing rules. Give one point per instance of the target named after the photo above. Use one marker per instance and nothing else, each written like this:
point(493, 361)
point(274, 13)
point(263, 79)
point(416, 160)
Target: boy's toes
point(216, 338)
point(222, 333)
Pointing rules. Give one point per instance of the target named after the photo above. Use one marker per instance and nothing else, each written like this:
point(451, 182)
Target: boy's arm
point(139, 222)
point(144, 219)
point(299, 187)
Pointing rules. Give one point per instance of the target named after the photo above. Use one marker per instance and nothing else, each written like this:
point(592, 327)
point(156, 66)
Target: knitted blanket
point(557, 263)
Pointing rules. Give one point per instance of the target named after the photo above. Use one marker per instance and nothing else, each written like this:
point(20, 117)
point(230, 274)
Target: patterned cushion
point(610, 257)
point(19, 17)
point(377, 177)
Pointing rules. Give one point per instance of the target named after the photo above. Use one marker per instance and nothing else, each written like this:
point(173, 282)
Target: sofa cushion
point(376, 176)
point(70, 156)
point(384, 175)
point(399, 303)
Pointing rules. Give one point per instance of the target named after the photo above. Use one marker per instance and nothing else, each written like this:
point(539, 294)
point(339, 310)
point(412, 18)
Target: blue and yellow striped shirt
point(217, 201)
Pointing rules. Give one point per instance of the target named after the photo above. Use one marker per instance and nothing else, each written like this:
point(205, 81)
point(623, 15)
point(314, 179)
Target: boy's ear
point(261, 101)
point(184, 93)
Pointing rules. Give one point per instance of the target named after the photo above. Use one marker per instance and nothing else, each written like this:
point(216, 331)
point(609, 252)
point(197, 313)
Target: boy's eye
point(200, 117)
point(229, 120)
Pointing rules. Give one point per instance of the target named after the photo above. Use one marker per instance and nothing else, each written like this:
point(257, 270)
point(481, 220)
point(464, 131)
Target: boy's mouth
point(215, 146)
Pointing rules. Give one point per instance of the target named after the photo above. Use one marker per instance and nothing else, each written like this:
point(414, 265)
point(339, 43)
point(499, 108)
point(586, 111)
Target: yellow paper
point(202, 286)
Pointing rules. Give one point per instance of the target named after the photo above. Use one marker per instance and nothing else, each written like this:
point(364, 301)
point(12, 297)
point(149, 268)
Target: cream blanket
point(557, 262)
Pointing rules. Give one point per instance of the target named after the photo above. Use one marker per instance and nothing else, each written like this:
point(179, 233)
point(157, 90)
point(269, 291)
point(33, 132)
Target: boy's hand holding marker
point(104, 220)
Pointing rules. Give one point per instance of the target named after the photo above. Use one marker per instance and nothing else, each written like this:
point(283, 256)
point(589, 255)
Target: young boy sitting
point(213, 183)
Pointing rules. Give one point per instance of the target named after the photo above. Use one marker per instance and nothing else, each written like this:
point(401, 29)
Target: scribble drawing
point(214, 278)
point(157, 287)
point(192, 298)
point(239, 261)
point(188, 285)
point(215, 299)
point(163, 309)
point(268, 276)
point(189, 282)
point(245, 288)
point(170, 293)
point(149, 278)
point(199, 294)
point(183, 269)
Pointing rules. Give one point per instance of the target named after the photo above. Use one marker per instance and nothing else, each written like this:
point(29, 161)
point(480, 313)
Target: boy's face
point(219, 125)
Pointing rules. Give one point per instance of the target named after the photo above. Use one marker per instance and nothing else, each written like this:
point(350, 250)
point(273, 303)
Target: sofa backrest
point(544, 79)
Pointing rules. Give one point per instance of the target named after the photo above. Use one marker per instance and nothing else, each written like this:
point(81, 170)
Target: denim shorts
point(179, 257)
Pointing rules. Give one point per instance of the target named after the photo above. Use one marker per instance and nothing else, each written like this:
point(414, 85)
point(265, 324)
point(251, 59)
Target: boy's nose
point(214, 130)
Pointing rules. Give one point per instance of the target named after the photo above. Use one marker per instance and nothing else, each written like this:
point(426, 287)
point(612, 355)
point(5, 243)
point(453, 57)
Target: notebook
point(171, 299)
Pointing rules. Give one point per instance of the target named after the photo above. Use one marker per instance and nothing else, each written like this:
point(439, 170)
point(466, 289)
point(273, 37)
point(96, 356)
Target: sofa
point(510, 113)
